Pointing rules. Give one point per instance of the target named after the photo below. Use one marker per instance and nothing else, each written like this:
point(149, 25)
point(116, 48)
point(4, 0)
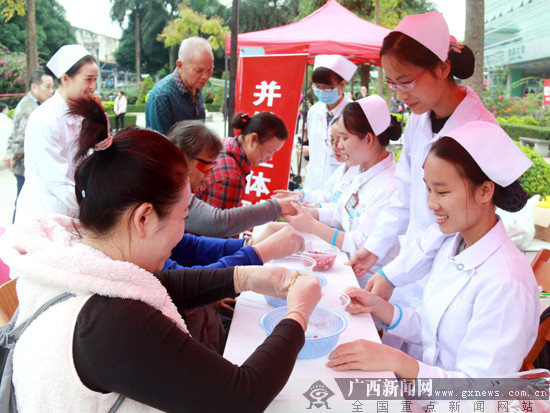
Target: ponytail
point(95, 126)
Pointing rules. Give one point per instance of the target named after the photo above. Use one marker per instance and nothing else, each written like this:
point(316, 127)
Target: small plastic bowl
point(323, 253)
point(324, 329)
point(294, 262)
point(334, 300)
point(278, 302)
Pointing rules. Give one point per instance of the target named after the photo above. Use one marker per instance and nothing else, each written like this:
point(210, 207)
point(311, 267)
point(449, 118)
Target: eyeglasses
point(323, 89)
point(204, 166)
point(331, 142)
point(406, 86)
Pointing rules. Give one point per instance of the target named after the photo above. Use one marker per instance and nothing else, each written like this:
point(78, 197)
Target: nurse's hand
point(302, 219)
point(362, 261)
point(284, 242)
point(362, 301)
point(379, 286)
point(286, 205)
point(283, 193)
point(369, 356)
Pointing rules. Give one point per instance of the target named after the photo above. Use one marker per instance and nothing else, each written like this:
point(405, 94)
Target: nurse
point(337, 182)
point(366, 128)
point(421, 61)
point(479, 313)
point(330, 74)
point(51, 135)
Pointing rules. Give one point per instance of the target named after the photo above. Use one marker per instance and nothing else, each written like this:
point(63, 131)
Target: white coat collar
point(374, 170)
point(58, 101)
point(476, 254)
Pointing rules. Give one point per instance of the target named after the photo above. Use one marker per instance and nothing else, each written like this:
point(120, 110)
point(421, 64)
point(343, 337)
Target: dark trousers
point(121, 117)
point(20, 181)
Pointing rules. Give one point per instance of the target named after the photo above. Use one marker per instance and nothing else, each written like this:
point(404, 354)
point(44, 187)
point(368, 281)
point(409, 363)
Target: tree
point(264, 14)
point(52, 30)
point(18, 6)
point(474, 37)
point(191, 23)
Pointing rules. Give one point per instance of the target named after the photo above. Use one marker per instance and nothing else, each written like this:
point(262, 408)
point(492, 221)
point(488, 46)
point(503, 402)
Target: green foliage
point(109, 107)
point(192, 23)
point(391, 11)
point(516, 131)
point(264, 14)
point(537, 178)
point(129, 120)
point(136, 108)
point(154, 56)
point(52, 30)
point(11, 7)
point(218, 98)
point(10, 113)
point(146, 86)
point(503, 106)
point(12, 73)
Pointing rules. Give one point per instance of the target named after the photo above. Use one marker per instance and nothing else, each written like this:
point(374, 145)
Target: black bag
point(8, 338)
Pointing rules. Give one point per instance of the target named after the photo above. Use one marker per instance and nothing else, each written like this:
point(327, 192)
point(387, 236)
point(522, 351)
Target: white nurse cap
point(430, 30)
point(65, 58)
point(494, 151)
point(377, 113)
point(336, 63)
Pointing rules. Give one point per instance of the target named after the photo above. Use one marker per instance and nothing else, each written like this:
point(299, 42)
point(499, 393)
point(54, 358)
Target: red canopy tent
point(332, 29)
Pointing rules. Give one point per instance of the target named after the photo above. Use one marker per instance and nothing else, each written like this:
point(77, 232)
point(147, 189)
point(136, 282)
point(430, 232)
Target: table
point(245, 335)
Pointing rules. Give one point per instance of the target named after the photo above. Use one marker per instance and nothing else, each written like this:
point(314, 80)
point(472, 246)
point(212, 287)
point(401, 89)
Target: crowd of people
point(137, 227)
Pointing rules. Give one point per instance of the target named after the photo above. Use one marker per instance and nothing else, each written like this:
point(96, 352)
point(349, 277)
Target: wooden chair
point(8, 301)
point(541, 268)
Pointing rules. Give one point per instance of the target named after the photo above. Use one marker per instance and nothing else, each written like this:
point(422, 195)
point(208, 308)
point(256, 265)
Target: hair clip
point(83, 192)
point(454, 45)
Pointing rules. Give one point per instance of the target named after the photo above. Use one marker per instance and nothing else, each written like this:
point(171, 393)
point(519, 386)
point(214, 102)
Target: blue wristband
point(398, 319)
point(303, 196)
point(333, 243)
point(380, 271)
point(319, 205)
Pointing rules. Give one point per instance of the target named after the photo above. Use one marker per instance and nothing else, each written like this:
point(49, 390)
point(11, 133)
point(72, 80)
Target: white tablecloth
point(245, 335)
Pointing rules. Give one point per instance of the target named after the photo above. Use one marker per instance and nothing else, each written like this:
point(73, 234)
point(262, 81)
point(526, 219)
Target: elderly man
point(40, 89)
point(178, 96)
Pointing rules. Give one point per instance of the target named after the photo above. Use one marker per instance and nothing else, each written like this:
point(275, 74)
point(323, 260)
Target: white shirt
point(408, 212)
point(50, 139)
point(360, 204)
point(322, 162)
point(121, 103)
point(479, 314)
point(6, 128)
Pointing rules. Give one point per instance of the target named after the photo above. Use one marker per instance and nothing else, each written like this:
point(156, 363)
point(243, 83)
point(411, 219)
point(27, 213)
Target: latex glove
point(269, 230)
point(379, 286)
point(273, 281)
point(285, 242)
point(302, 220)
point(283, 193)
point(362, 261)
point(302, 298)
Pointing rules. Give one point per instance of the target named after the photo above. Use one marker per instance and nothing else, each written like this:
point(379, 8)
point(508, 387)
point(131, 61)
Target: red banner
point(546, 92)
point(270, 83)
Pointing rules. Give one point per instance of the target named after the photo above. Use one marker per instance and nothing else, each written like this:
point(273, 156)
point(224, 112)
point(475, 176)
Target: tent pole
point(298, 177)
point(233, 63)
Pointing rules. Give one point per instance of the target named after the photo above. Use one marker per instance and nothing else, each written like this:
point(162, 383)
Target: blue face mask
point(328, 97)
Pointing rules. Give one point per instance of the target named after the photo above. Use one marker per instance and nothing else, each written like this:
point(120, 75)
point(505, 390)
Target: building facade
point(517, 44)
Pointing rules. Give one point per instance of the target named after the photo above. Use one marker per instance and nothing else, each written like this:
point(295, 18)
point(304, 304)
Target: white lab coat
point(408, 212)
point(479, 314)
point(322, 162)
point(333, 188)
point(50, 147)
point(371, 191)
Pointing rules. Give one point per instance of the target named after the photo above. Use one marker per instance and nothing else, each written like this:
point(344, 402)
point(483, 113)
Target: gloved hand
point(284, 242)
point(269, 230)
point(273, 281)
point(302, 298)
